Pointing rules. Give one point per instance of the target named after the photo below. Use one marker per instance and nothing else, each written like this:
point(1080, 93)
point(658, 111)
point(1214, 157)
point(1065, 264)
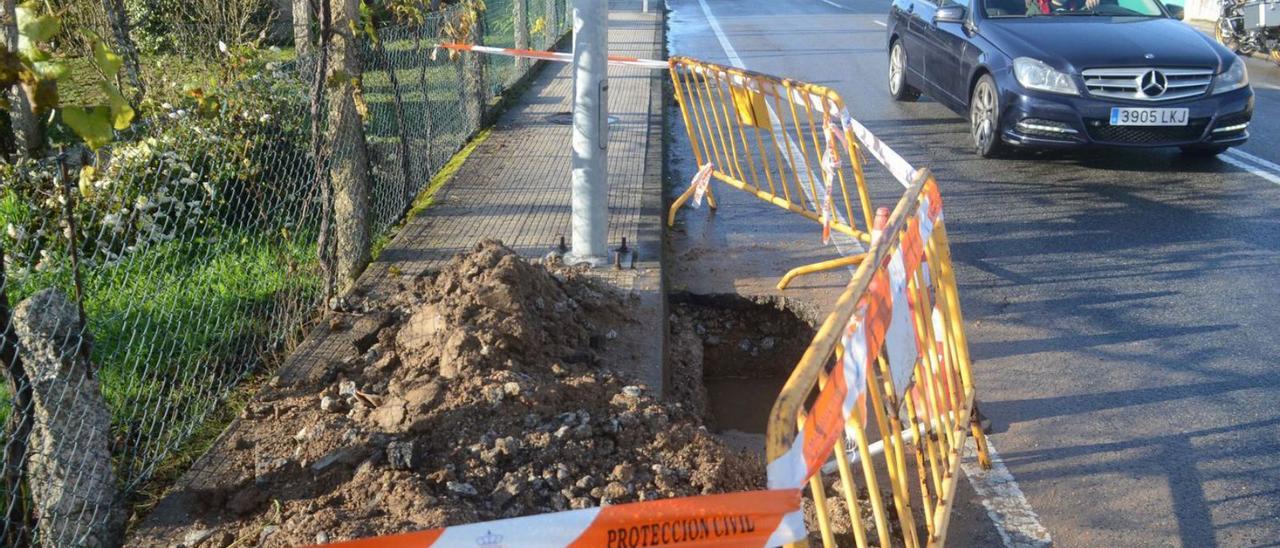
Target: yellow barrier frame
point(721, 105)
point(936, 413)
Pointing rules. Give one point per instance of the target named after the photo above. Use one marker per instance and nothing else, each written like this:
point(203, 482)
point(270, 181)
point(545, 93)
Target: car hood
point(1075, 43)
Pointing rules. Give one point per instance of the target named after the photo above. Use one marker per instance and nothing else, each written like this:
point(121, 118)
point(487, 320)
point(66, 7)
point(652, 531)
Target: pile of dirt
point(482, 392)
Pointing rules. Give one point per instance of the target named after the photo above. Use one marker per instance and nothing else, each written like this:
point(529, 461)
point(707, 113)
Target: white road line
point(1230, 158)
point(881, 23)
point(1274, 167)
point(830, 3)
point(1007, 507)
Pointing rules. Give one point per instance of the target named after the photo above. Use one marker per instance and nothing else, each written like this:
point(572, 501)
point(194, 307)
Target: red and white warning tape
point(754, 518)
point(897, 166)
point(615, 60)
point(701, 181)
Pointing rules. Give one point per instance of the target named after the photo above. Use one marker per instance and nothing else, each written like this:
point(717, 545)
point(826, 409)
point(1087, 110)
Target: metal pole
point(590, 184)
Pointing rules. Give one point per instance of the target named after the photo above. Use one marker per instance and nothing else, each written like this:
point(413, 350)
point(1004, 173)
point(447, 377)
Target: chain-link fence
point(143, 282)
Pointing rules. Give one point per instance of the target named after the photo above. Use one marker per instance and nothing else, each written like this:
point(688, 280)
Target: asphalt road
point(1122, 305)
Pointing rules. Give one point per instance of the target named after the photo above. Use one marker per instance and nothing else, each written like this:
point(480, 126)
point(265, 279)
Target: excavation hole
point(732, 357)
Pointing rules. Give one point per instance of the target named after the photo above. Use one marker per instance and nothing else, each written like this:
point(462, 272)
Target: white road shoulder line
point(833, 4)
point(1274, 167)
point(1007, 507)
point(1235, 158)
point(881, 23)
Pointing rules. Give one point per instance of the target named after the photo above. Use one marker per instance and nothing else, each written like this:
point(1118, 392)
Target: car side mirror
point(1175, 11)
point(949, 14)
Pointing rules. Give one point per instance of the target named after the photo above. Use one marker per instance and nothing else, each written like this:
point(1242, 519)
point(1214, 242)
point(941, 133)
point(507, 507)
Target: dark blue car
point(1071, 73)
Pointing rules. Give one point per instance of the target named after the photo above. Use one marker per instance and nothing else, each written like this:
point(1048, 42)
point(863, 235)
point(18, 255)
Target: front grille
point(1128, 83)
point(1103, 132)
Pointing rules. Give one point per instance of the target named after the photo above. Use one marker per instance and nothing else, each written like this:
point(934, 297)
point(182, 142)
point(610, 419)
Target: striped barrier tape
point(558, 57)
point(901, 170)
point(701, 181)
point(753, 518)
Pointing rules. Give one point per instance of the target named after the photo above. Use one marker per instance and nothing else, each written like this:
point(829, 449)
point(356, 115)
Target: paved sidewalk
point(515, 187)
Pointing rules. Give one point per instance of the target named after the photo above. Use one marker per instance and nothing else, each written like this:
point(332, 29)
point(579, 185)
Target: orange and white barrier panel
point(893, 351)
point(755, 518)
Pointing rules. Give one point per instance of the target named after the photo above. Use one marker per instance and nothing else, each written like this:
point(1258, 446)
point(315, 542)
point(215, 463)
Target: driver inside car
point(1046, 7)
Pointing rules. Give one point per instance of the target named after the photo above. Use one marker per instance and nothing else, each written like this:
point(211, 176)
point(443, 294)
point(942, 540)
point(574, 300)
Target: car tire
point(899, 89)
point(984, 118)
point(1204, 151)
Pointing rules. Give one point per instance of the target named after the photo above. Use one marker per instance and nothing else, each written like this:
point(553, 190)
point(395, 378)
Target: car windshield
point(1044, 9)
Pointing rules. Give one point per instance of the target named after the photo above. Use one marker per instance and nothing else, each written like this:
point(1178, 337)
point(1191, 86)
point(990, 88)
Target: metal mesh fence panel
point(139, 293)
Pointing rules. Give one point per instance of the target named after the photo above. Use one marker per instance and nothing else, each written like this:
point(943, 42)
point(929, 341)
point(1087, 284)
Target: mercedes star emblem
point(1153, 83)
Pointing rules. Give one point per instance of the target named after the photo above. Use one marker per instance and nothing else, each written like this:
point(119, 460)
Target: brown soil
point(483, 392)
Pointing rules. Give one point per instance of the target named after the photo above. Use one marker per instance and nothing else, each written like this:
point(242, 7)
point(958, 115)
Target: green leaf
point(106, 59)
point(36, 28)
point(51, 70)
point(91, 124)
point(87, 175)
point(121, 112)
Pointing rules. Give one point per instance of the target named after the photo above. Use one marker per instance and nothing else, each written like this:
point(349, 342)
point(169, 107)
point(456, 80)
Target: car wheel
point(898, 86)
point(984, 118)
point(1204, 151)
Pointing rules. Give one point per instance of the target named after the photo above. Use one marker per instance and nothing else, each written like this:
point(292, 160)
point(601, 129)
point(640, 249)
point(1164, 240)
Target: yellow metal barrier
point(778, 139)
point(892, 353)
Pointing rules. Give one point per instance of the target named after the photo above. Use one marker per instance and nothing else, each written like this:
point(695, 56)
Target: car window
point(1054, 8)
point(1005, 8)
point(1137, 7)
point(964, 3)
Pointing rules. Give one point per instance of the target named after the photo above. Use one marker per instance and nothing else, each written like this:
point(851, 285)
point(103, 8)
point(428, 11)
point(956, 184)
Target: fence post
point(69, 469)
point(473, 70)
point(349, 167)
point(522, 35)
point(303, 17)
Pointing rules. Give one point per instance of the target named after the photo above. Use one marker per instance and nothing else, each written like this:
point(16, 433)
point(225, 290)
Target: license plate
point(1121, 116)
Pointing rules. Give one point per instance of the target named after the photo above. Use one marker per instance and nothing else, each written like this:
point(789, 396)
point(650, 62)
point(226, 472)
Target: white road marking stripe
point(881, 23)
point(1260, 161)
point(1245, 165)
point(830, 3)
point(1010, 513)
point(1007, 507)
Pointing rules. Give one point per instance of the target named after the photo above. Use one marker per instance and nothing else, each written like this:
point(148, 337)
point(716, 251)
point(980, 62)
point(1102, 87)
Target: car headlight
point(1035, 74)
point(1235, 77)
